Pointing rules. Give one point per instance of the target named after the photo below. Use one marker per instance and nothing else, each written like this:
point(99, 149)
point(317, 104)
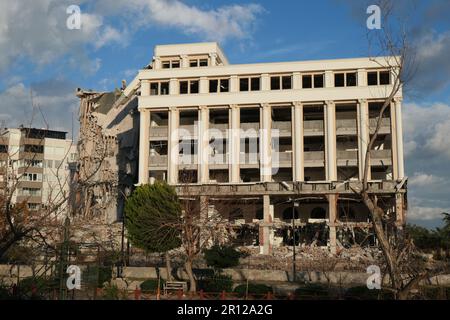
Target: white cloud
point(219, 24)
point(420, 179)
point(426, 213)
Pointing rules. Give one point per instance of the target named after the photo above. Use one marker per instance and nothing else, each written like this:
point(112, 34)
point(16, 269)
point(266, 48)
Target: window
point(189, 86)
point(170, 64)
point(281, 82)
point(216, 85)
point(175, 64)
point(385, 78)
point(307, 82)
point(193, 63)
point(159, 88)
point(312, 81)
point(345, 79)
point(251, 83)
point(203, 62)
point(166, 64)
point(243, 84)
point(198, 62)
point(375, 78)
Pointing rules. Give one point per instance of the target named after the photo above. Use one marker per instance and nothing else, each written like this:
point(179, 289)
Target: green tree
point(153, 214)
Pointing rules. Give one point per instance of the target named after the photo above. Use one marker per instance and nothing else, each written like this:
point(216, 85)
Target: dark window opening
point(255, 84)
point(351, 79)
point(385, 77)
point(175, 64)
point(318, 81)
point(372, 78)
point(243, 84)
point(318, 213)
point(154, 89)
point(275, 83)
point(164, 88)
point(194, 86)
point(166, 65)
point(224, 85)
point(286, 82)
point(184, 87)
point(307, 82)
point(213, 85)
point(339, 80)
point(287, 213)
point(193, 63)
point(203, 62)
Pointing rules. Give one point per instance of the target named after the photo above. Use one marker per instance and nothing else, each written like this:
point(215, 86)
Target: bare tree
point(395, 54)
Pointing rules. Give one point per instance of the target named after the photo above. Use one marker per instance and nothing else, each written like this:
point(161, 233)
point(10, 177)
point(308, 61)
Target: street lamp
point(294, 204)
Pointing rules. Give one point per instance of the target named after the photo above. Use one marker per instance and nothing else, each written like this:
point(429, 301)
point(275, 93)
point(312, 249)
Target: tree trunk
point(190, 273)
point(168, 266)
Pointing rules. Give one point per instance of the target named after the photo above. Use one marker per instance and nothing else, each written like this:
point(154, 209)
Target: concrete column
point(329, 79)
point(394, 149)
point(297, 142)
point(265, 82)
point(213, 59)
point(173, 146)
point(296, 81)
point(144, 146)
point(332, 213)
point(330, 124)
point(363, 135)
point(399, 209)
point(173, 87)
point(266, 143)
point(234, 143)
point(203, 85)
point(156, 63)
point(399, 134)
point(184, 61)
point(234, 84)
point(265, 228)
point(145, 88)
point(203, 144)
point(362, 78)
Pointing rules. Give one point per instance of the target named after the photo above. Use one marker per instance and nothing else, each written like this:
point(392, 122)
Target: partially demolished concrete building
point(282, 144)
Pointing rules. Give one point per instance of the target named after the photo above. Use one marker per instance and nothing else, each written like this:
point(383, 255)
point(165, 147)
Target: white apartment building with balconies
point(266, 136)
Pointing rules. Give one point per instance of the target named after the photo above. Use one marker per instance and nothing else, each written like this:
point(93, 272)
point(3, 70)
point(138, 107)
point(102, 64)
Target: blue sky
point(117, 38)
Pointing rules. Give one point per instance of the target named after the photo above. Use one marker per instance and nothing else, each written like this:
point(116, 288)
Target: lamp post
point(294, 269)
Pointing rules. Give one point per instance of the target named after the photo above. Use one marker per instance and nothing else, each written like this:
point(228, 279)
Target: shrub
point(36, 287)
point(5, 293)
point(96, 276)
point(218, 283)
point(151, 285)
point(254, 289)
point(112, 292)
point(221, 257)
point(312, 291)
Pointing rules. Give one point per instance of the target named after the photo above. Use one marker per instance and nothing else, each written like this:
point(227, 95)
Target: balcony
point(187, 131)
point(284, 127)
point(313, 128)
point(222, 127)
point(282, 159)
point(381, 157)
point(347, 158)
point(218, 161)
point(385, 127)
point(159, 132)
point(188, 160)
point(250, 126)
point(314, 158)
point(346, 127)
point(249, 160)
point(157, 161)
point(29, 199)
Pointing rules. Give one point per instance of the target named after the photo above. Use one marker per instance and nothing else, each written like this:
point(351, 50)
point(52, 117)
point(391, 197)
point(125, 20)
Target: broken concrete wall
point(108, 153)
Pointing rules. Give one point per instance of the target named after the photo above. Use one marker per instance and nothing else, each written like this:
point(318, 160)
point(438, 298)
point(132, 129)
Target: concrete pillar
point(332, 213)
point(184, 61)
point(173, 87)
point(266, 143)
point(399, 134)
point(234, 142)
point(144, 146)
point(204, 85)
point(296, 81)
point(145, 88)
point(234, 83)
point(329, 79)
point(362, 78)
point(265, 228)
point(363, 135)
point(156, 63)
point(297, 142)
point(330, 129)
point(173, 146)
point(203, 144)
point(394, 149)
point(265, 82)
point(399, 209)
point(213, 59)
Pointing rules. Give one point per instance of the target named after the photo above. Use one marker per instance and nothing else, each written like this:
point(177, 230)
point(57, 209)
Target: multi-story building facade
point(269, 135)
point(37, 165)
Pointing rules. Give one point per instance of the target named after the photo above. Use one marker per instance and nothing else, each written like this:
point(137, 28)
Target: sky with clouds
point(42, 62)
